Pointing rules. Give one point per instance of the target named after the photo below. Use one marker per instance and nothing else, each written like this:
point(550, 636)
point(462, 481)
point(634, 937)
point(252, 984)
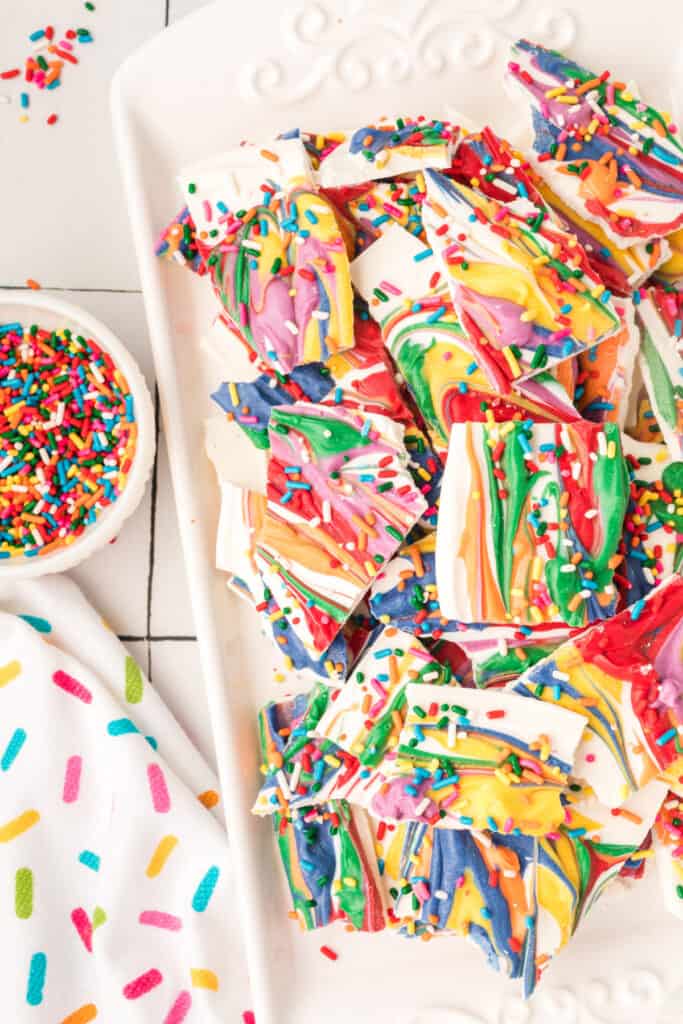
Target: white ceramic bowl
point(53, 314)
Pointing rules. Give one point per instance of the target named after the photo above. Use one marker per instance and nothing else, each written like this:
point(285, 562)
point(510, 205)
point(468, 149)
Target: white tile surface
point(66, 183)
point(171, 612)
point(66, 192)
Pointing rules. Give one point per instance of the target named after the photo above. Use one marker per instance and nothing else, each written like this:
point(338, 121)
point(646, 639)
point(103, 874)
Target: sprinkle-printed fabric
point(115, 901)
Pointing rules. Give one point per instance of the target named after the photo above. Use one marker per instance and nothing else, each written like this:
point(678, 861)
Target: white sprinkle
point(326, 511)
point(602, 443)
point(568, 568)
point(422, 807)
point(320, 314)
point(291, 327)
point(452, 734)
point(563, 676)
point(440, 894)
point(282, 782)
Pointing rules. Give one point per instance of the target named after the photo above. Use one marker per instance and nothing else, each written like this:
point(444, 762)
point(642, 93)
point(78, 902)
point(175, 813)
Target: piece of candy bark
point(402, 281)
point(659, 311)
point(405, 594)
point(489, 163)
point(531, 517)
point(671, 271)
point(500, 653)
point(482, 757)
point(178, 242)
point(653, 529)
point(330, 866)
point(522, 287)
point(365, 716)
point(300, 769)
point(385, 149)
point(242, 513)
point(624, 676)
point(340, 501)
point(605, 373)
point(606, 153)
point(668, 846)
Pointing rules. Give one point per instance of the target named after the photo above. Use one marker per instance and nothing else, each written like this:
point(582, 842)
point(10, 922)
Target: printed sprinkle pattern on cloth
point(112, 861)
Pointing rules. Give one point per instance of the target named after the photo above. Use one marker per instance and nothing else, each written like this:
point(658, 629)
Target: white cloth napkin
point(115, 900)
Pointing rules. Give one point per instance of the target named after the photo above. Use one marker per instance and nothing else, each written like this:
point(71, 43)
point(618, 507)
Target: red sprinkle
point(10, 74)
point(329, 953)
point(495, 714)
point(52, 119)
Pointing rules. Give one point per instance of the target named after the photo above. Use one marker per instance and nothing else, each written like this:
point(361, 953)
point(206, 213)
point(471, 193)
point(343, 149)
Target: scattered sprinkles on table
point(479, 720)
point(67, 437)
point(51, 52)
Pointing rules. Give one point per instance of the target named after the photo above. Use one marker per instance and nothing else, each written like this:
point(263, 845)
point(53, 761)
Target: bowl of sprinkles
point(76, 435)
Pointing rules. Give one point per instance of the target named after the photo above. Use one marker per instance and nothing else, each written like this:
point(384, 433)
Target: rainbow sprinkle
point(67, 437)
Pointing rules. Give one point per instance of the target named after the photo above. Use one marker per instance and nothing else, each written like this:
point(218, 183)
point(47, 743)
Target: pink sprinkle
point(72, 779)
point(179, 1010)
point(157, 919)
point(72, 686)
point(83, 926)
point(590, 758)
point(158, 789)
point(509, 825)
point(460, 881)
point(206, 205)
point(455, 795)
point(248, 1017)
point(553, 835)
point(386, 286)
point(421, 890)
point(609, 95)
point(243, 314)
point(143, 984)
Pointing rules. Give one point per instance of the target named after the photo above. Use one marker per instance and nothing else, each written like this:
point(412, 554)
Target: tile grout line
point(130, 638)
point(152, 534)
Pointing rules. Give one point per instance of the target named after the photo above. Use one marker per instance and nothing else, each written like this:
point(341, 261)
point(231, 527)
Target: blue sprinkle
point(637, 609)
point(121, 727)
point(424, 255)
point(12, 749)
point(89, 860)
point(205, 889)
point(666, 737)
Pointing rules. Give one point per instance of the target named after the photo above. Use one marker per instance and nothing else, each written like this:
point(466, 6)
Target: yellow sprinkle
point(17, 826)
point(611, 450)
point(201, 978)
point(503, 777)
point(350, 883)
point(9, 672)
point(569, 100)
point(234, 397)
point(557, 91)
point(331, 760)
point(163, 851)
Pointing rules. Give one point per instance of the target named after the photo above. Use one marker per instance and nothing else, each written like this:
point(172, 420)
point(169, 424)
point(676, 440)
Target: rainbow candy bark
point(531, 517)
point(386, 149)
point(300, 768)
point(606, 153)
point(605, 373)
point(178, 242)
point(482, 757)
point(668, 846)
point(405, 593)
point(401, 280)
point(490, 164)
point(660, 313)
point(522, 287)
point(242, 513)
point(518, 898)
point(388, 202)
point(671, 271)
point(365, 716)
point(278, 258)
point(499, 653)
point(330, 866)
point(653, 528)
point(340, 501)
point(624, 676)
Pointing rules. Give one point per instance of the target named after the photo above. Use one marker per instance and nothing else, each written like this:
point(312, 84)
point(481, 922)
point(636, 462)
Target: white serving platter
point(236, 71)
